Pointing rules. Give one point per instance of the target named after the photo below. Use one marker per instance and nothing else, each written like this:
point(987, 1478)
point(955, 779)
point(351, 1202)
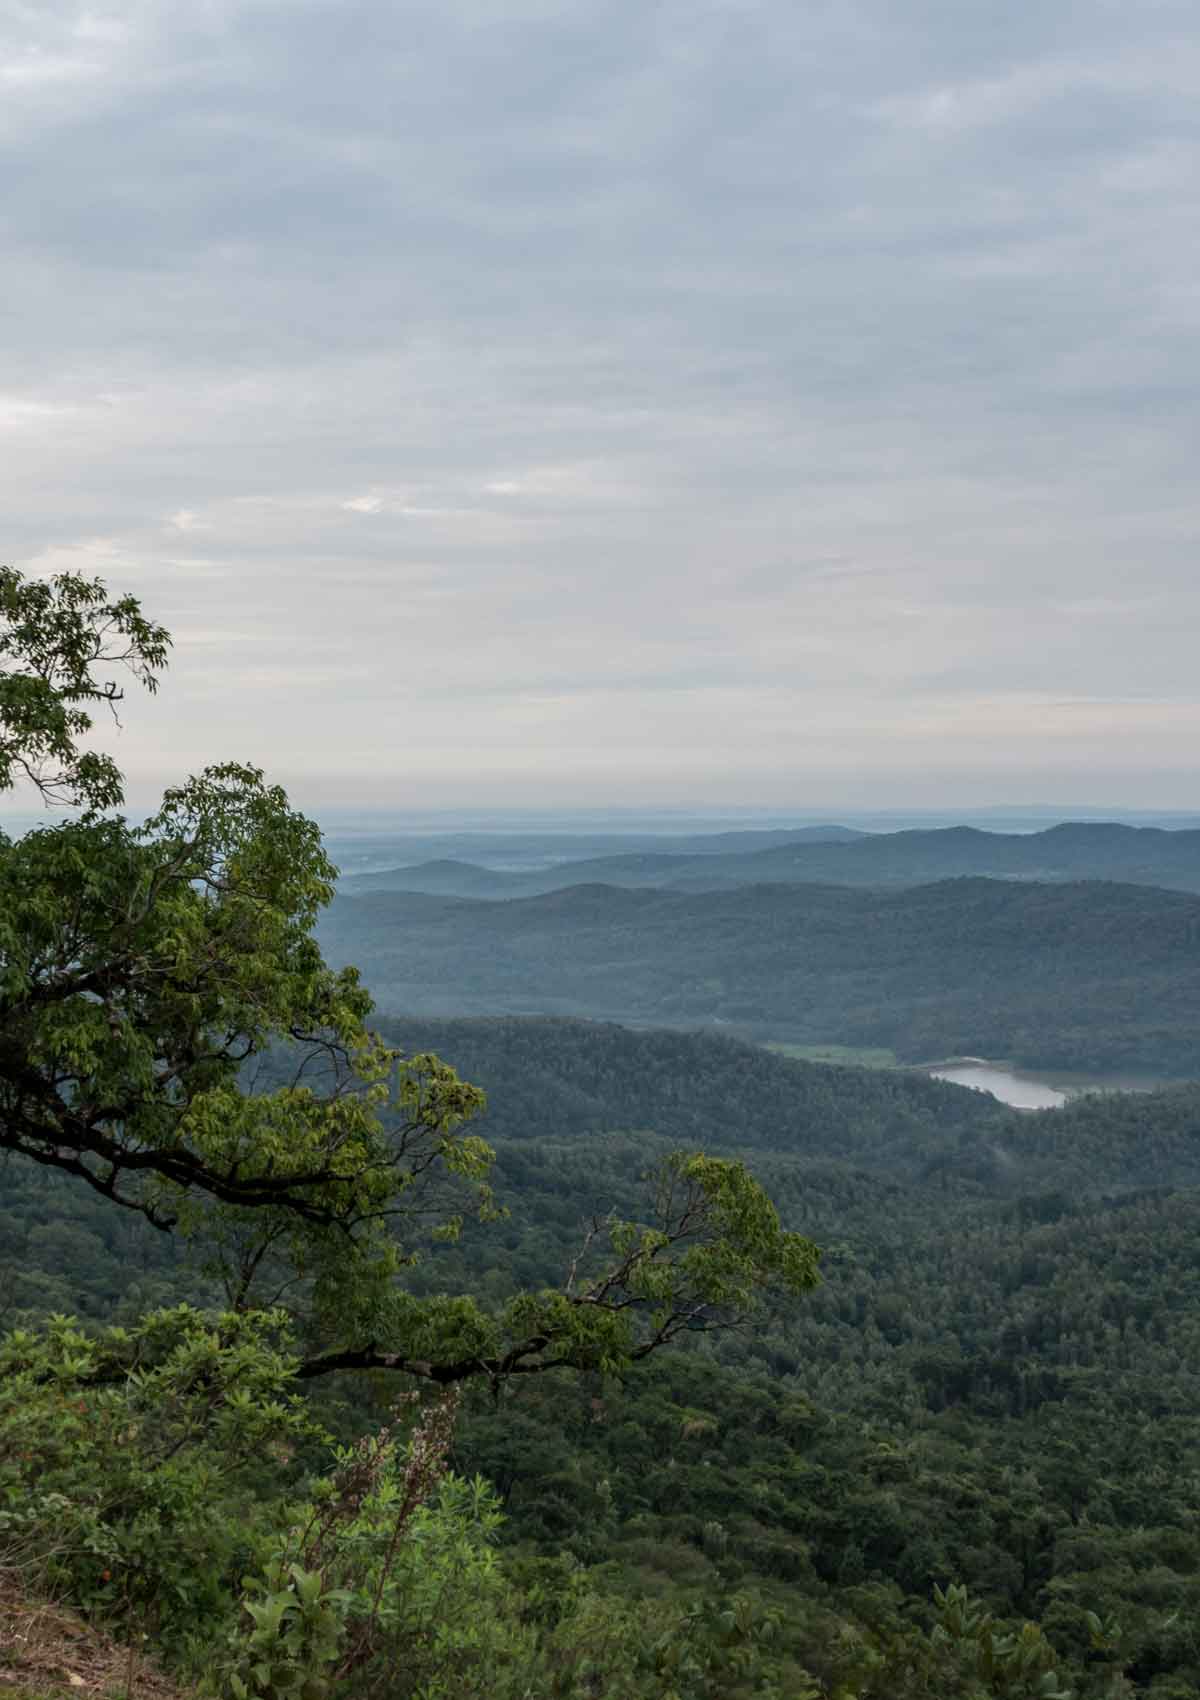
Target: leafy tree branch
point(146, 973)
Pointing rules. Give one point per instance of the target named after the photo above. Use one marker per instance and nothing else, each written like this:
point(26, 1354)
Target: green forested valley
point(373, 1326)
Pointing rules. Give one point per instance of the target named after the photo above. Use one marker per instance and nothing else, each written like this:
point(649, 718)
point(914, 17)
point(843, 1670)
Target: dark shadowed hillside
point(555, 1078)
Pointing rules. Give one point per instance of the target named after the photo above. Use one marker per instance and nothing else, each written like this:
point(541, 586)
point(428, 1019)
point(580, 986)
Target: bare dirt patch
point(47, 1651)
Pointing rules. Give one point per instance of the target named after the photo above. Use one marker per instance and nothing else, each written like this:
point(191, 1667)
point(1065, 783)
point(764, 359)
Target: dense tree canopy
point(147, 971)
point(996, 1384)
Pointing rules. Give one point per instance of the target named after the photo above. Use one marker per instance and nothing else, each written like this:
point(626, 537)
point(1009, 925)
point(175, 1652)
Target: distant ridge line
point(1066, 851)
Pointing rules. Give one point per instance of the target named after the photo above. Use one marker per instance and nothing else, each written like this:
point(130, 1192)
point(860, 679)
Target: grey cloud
point(782, 351)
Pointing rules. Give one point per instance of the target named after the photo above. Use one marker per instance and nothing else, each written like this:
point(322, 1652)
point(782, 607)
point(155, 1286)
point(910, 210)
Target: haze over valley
point(1087, 975)
point(835, 855)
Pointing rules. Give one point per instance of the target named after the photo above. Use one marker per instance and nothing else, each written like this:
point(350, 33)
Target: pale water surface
point(1022, 1091)
point(1027, 1091)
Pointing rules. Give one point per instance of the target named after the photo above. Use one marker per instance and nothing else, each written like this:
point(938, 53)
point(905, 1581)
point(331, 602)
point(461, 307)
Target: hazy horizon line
point(466, 818)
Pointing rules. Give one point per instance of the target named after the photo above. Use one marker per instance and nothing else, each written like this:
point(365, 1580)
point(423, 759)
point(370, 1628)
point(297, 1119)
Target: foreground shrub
point(138, 1466)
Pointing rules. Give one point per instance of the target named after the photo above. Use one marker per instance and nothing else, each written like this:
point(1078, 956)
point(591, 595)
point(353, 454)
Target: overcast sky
point(707, 402)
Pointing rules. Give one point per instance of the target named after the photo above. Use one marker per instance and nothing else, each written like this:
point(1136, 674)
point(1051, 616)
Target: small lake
point(1028, 1091)
point(1022, 1091)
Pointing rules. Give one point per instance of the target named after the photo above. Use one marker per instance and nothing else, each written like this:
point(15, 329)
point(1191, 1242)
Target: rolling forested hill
point(1086, 976)
point(567, 1080)
point(577, 1110)
point(1072, 851)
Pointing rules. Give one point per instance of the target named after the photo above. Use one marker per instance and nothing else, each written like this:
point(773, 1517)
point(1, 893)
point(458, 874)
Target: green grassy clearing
point(850, 1056)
